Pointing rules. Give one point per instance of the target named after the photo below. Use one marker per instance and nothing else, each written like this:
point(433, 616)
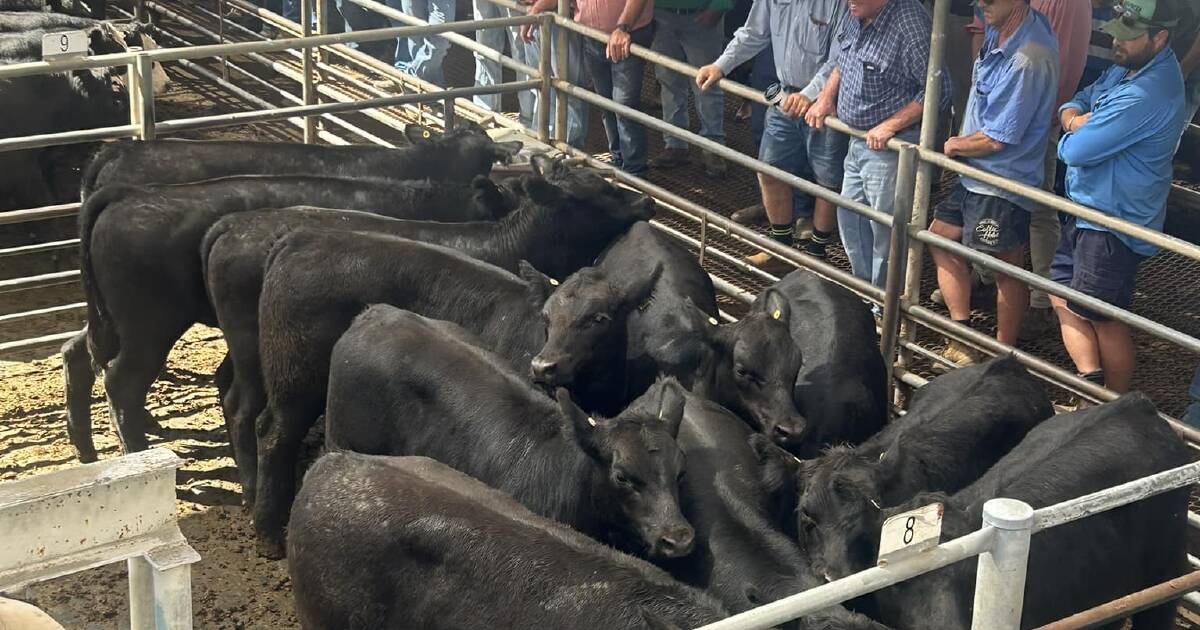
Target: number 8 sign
point(910, 532)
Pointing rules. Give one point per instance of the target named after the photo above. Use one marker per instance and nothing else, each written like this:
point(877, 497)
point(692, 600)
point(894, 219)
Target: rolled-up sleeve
point(1017, 97)
point(748, 40)
point(1111, 129)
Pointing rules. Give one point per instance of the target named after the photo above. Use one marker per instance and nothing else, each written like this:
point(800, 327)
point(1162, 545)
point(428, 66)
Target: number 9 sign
point(67, 44)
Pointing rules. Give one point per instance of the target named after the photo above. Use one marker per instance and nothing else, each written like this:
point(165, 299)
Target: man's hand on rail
point(820, 108)
point(618, 45)
point(540, 6)
point(708, 76)
point(709, 17)
point(878, 136)
point(795, 105)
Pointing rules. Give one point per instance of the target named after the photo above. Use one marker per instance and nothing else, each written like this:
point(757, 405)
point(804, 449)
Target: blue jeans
point(1192, 415)
point(621, 82)
point(360, 19)
point(870, 178)
point(424, 54)
point(681, 37)
point(488, 72)
point(762, 75)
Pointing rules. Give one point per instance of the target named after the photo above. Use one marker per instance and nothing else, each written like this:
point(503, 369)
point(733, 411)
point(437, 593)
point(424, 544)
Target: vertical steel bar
point(145, 72)
point(221, 38)
point(1000, 577)
point(141, 594)
point(449, 114)
point(560, 114)
point(308, 88)
point(323, 8)
point(925, 172)
point(133, 81)
point(173, 598)
point(546, 67)
point(905, 181)
point(139, 11)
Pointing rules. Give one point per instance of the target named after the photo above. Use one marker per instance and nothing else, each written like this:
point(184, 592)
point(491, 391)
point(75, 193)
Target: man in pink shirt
point(615, 73)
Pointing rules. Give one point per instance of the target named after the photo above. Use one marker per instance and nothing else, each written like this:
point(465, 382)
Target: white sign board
point(909, 533)
point(66, 44)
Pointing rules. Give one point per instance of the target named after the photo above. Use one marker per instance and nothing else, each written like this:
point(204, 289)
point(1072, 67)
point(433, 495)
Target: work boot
point(670, 158)
point(714, 166)
point(983, 295)
point(775, 266)
point(1037, 323)
point(804, 228)
point(751, 215)
point(960, 354)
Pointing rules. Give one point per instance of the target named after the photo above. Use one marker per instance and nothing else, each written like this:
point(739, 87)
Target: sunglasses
point(1131, 16)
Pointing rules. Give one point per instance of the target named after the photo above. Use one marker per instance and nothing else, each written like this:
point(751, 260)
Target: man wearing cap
point(1008, 117)
point(800, 34)
point(1120, 136)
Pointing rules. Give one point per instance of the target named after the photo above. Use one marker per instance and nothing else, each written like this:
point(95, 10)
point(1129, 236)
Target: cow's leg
point(128, 378)
point(280, 431)
point(248, 401)
point(223, 379)
point(78, 378)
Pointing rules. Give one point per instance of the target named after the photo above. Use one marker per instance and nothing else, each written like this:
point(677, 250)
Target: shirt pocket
point(816, 30)
point(877, 78)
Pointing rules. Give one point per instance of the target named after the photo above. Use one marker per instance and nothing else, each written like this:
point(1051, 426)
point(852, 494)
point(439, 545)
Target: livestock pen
point(336, 103)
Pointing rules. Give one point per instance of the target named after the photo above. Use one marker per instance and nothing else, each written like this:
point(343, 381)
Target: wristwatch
point(624, 28)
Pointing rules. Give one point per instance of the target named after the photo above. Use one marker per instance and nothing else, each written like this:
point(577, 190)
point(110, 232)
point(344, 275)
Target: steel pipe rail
point(1116, 496)
point(39, 248)
point(39, 281)
point(9, 347)
point(66, 137)
point(860, 583)
point(1130, 604)
point(41, 312)
point(44, 213)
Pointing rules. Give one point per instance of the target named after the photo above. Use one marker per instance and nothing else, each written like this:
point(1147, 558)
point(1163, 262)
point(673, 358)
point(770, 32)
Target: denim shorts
point(989, 224)
point(790, 144)
point(1097, 264)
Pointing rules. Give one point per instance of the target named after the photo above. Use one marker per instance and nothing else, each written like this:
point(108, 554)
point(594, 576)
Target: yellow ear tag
point(713, 321)
point(591, 421)
point(425, 134)
point(553, 282)
point(777, 313)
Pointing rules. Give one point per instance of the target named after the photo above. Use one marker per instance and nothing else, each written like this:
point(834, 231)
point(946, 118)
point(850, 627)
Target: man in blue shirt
point(877, 83)
point(1120, 136)
point(1008, 117)
point(800, 33)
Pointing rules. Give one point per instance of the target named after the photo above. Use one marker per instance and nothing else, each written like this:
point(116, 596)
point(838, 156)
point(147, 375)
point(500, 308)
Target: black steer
point(1079, 565)
point(316, 282)
point(460, 155)
point(741, 557)
point(841, 389)
point(142, 272)
point(958, 426)
point(407, 542)
point(401, 384)
point(21, 21)
point(69, 7)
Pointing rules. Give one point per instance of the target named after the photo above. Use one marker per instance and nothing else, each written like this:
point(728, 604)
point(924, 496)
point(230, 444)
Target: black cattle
point(20, 21)
point(741, 557)
point(748, 366)
point(316, 282)
point(459, 155)
point(841, 389)
point(69, 7)
point(956, 428)
point(631, 327)
point(401, 384)
point(558, 228)
point(407, 542)
point(1076, 566)
point(142, 272)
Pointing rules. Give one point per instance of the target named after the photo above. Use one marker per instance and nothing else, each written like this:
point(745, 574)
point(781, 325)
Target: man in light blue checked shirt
point(877, 83)
point(800, 33)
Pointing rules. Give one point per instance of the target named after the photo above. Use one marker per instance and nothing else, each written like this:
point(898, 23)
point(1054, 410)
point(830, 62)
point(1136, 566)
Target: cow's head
point(466, 149)
point(838, 510)
point(587, 315)
point(585, 189)
point(639, 467)
point(494, 199)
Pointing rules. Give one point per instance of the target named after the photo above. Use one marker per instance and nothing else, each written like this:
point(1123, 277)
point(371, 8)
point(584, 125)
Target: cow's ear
point(542, 164)
point(641, 289)
point(470, 126)
point(776, 466)
point(540, 285)
point(505, 152)
point(581, 425)
point(417, 134)
point(489, 197)
point(655, 622)
point(543, 192)
point(671, 403)
point(777, 305)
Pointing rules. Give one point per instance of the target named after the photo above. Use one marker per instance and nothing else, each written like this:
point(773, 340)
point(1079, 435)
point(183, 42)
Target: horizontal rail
point(39, 214)
point(41, 312)
point(243, 48)
point(39, 281)
point(35, 342)
point(860, 583)
point(39, 248)
point(1116, 496)
point(1129, 604)
point(66, 137)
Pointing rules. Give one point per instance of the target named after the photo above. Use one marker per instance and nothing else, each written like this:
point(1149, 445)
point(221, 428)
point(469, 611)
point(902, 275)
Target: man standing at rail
point(801, 36)
point(1120, 136)
point(1007, 121)
point(877, 83)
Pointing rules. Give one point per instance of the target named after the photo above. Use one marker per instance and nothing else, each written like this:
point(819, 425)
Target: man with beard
point(1120, 136)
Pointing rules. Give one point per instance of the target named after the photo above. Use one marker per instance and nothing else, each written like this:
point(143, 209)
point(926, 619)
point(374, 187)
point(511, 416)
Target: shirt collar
point(1014, 43)
point(885, 16)
point(1159, 59)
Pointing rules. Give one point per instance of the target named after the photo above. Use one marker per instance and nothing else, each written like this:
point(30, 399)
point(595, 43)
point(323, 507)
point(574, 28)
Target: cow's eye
point(601, 318)
point(625, 480)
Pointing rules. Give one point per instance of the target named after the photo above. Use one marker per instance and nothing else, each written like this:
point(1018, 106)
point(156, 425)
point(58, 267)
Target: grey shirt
point(799, 32)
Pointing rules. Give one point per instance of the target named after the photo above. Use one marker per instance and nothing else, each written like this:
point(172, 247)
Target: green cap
point(1135, 18)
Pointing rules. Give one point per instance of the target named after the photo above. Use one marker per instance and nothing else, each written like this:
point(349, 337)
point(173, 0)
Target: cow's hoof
point(271, 549)
point(88, 456)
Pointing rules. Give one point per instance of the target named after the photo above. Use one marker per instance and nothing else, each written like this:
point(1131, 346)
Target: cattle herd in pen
point(533, 413)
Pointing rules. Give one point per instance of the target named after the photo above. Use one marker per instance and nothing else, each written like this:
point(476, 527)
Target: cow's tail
point(103, 341)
